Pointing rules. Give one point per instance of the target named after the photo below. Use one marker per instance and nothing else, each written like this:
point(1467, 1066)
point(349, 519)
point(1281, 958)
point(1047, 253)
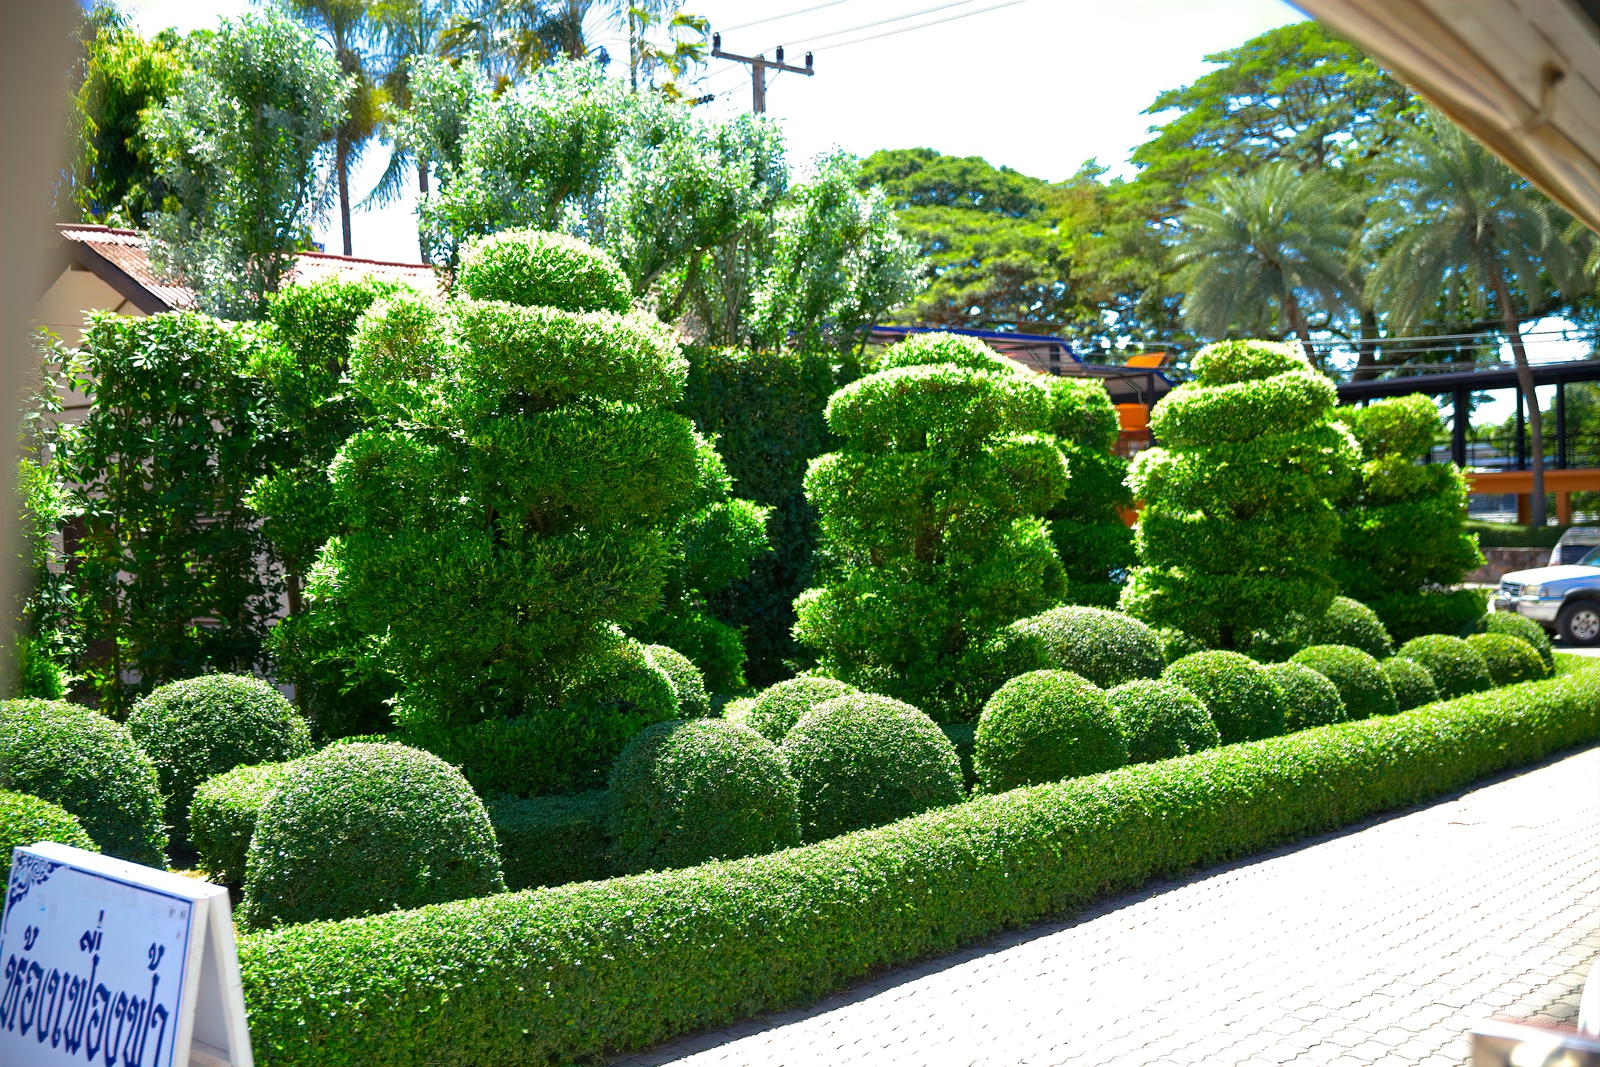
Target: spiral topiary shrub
point(1095, 545)
point(1505, 622)
point(553, 840)
point(1162, 720)
point(686, 792)
point(1106, 647)
point(777, 708)
point(1242, 700)
point(1237, 532)
point(27, 820)
point(223, 814)
point(930, 516)
point(1309, 698)
point(362, 828)
point(1413, 685)
point(1455, 666)
point(865, 760)
point(201, 727)
point(88, 764)
point(1510, 659)
point(1044, 726)
point(688, 684)
point(1350, 622)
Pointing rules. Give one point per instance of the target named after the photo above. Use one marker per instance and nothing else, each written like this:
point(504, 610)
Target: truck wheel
point(1579, 623)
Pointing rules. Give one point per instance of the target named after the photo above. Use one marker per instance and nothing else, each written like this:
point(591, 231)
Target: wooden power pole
point(759, 65)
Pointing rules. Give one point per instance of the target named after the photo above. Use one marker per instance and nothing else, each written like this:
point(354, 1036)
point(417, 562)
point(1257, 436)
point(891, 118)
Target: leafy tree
point(239, 149)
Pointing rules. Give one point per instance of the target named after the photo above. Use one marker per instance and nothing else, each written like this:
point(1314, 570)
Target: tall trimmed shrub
point(931, 522)
point(1095, 545)
point(1237, 533)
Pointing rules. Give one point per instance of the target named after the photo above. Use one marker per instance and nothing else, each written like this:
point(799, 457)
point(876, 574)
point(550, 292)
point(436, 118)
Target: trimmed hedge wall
point(557, 974)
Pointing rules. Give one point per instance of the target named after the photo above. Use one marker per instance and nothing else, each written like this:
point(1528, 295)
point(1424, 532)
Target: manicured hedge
point(553, 840)
point(1242, 700)
point(1502, 622)
point(26, 820)
point(222, 817)
point(1413, 685)
point(1362, 685)
point(1457, 668)
point(1044, 726)
point(1309, 698)
point(1106, 647)
point(1510, 659)
point(569, 973)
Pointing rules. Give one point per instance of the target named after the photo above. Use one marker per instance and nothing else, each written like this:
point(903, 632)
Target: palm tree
point(1465, 230)
point(1260, 248)
point(407, 31)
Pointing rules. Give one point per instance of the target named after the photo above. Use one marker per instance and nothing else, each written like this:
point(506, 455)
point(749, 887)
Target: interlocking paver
point(1381, 944)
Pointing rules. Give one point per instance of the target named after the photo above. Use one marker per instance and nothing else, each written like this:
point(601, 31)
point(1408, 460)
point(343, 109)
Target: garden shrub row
point(551, 975)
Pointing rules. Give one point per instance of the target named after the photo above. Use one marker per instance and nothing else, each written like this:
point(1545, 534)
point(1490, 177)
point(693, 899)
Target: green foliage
point(202, 727)
point(964, 736)
point(222, 817)
point(46, 637)
point(27, 820)
point(1162, 720)
point(1106, 647)
point(1362, 685)
point(1350, 622)
point(777, 708)
point(1309, 698)
point(1094, 544)
point(930, 523)
point(1413, 685)
point(864, 760)
point(696, 950)
point(1241, 697)
point(1237, 530)
point(1175, 644)
point(537, 269)
point(1455, 666)
point(687, 792)
point(362, 828)
point(1505, 622)
point(82, 760)
point(1044, 726)
point(688, 685)
point(553, 840)
point(1510, 659)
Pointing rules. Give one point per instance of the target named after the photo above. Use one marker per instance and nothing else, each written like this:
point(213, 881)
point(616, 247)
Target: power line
point(785, 15)
point(885, 22)
point(921, 26)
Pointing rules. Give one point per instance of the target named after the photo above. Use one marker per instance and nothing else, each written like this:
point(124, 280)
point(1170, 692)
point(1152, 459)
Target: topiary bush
point(1242, 700)
point(1237, 532)
point(1309, 698)
point(1094, 544)
point(27, 820)
point(1106, 647)
point(201, 727)
point(1162, 720)
point(688, 684)
point(223, 814)
point(777, 708)
point(1044, 726)
point(1455, 666)
point(553, 840)
point(864, 760)
point(1413, 685)
point(1350, 622)
point(360, 828)
point(932, 536)
point(1361, 682)
point(1505, 622)
point(89, 765)
point(687, 792)
point(1510, 659)
point(1175, 644)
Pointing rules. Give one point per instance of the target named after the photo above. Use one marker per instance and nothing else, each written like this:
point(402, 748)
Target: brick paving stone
point(1379, 944)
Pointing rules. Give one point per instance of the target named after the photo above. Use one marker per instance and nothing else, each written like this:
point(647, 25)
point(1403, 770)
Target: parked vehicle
point(1575, 543)
point(1564, 599)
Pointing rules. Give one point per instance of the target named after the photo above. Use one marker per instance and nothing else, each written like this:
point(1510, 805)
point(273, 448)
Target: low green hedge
point(559, 974)
point(553, 840)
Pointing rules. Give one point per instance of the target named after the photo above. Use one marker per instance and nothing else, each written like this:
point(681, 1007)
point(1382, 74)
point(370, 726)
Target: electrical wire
point(920, 26)
point(885, 22)
point(785, 15)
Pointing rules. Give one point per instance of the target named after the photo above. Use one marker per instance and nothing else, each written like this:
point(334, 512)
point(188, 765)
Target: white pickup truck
point(1564, 598)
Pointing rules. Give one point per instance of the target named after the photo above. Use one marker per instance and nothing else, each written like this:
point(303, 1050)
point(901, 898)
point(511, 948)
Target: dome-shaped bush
point(1105, 647)
point(88, 764)
point(1044, 726)
point(1242, 700)
point(201, 727)
point(687, 792)
point(359, 829)
point(1309, 699)
point(1162, 720)
point(1510, 659)
point(1413, 685)
point(1503, 622)
point(223, 814)
point(1455, 666)
point(687, 681)
point(26, 820)
point(1360, 681)
point(864, 760)
point(535, 268)
point(1350, 622)
point(778, 707)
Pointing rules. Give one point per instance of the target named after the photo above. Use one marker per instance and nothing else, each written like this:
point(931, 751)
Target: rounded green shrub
point(1455, 666)
point(1358, 678)
point(1510, 659)
point(1242, 700)
point(1162, 720)
point(536, 268)
point(687, 792)
point(1044, 726)
point(359, 829)
point(1106, 647)
point(27, 820)
point(1413, 685)
point(201, 727)
point(864, 760)
point(1309, 699)
point(89, 765)
point(687, 682)
point(223, 814)
point(1350, 622)
point(777, 708)
point(1504, 622)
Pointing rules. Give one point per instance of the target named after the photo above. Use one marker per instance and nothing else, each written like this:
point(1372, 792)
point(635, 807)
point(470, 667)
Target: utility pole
point(758, 70)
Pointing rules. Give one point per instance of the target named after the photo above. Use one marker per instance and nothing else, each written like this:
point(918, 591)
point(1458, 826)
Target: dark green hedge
point(547, 976)
point(553, 840)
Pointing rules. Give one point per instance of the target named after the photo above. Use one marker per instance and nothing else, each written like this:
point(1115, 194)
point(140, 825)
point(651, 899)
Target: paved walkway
point(1381, 944)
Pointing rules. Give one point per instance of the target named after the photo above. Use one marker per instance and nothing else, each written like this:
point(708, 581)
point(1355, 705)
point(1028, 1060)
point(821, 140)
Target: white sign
point(113, 963)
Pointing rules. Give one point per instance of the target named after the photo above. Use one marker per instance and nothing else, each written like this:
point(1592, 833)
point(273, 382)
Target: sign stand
point(113, 961)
